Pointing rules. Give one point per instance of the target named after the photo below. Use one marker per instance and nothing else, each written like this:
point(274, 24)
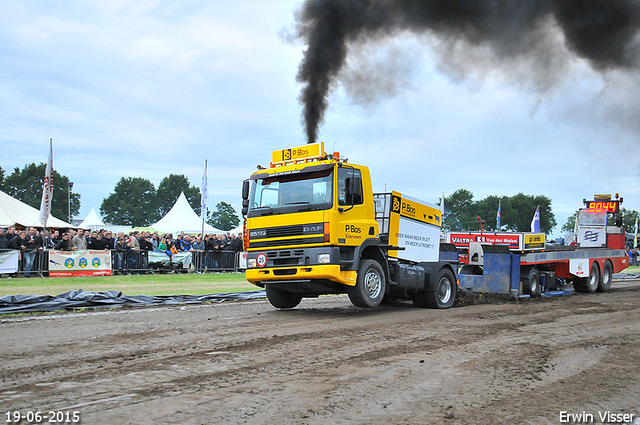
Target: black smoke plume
point(603, 32)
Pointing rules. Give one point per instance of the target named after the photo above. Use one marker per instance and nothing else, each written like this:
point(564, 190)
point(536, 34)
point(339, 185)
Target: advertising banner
point(9, 261)
point(414, 226)
point(512, 240)
point(79, 263)
point(592, 236)
point(515, 241)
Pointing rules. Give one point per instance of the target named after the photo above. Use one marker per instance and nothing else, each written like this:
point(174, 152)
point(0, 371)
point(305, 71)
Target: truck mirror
point(245, 190)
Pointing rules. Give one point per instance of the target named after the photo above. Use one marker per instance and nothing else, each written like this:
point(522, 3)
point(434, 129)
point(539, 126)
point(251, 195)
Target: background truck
point(521, 262)
point(313, 226)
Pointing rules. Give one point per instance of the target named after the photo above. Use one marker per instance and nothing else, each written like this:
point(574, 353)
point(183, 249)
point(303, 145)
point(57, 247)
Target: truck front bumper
point(330, 272)
point(298, 264)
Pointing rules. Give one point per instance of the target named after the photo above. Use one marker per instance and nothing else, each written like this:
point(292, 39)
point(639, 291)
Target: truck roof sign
point(300, 153)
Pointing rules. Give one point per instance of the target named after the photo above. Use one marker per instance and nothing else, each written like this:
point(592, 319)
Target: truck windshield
point(284, 194)
point(592, 217)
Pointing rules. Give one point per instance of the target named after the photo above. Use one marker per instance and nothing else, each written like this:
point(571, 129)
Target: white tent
point(93, 221)
point(181, 217)
point(16, 213)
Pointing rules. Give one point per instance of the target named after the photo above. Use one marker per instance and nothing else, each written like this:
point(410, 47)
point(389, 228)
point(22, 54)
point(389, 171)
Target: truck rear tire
point(531, 283)
point(370, 285)
point(605, 279)
point(282, 299)
point(444, 295)
point(588, 285)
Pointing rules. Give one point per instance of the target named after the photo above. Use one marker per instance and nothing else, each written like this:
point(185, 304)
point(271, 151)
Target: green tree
point(169, 190)
point(224, 217)
point(629, 218)
point(462, 212)
point(2, 179)
point(26, 186)
point(570, 225)
point(133, 203)
point(487, 210)
point(458, 211)
point(518, 211)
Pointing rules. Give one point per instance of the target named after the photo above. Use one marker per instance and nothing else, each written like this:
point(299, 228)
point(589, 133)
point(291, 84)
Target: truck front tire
point(282, 299)
point(370, 285)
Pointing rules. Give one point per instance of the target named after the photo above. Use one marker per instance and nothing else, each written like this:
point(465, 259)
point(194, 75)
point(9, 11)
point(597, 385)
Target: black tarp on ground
point(84, 299)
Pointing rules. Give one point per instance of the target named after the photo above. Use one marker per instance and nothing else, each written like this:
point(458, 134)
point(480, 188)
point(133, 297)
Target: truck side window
point(344, 176)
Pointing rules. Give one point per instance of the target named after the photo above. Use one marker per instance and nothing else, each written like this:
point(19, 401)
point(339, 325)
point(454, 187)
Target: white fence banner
point(9, 261)
point(79, 263)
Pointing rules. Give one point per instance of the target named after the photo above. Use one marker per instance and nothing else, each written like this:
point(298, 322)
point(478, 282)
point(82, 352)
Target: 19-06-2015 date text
point(38, 417)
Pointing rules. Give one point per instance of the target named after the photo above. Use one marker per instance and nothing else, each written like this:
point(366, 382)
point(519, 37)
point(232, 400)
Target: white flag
point(535, 223)
point(47, 189)
point(635, 238)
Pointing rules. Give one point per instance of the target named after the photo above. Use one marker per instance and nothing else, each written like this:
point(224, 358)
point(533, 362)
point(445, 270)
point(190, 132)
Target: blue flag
point(535, 223)
point(498, 217)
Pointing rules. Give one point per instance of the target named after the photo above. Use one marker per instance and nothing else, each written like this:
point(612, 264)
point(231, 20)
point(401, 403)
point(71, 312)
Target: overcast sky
point(150, 88)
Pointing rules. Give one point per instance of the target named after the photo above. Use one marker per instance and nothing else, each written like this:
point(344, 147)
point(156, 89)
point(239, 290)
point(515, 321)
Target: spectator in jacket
point(79, 241)
point(55, 237)
point(121, 249)
point(18, 241)
point(34, 244)
point(65, 243)
point(108, 242)
point(185, 243)
point(155, 241)
point(4, 242)
point(133, 239)
point(236, 244)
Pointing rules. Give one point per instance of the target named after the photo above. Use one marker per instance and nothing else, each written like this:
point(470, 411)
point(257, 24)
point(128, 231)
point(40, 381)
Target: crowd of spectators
point(29, 242)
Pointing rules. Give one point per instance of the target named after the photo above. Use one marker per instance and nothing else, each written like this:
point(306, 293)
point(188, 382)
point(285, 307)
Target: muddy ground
point(327, 362)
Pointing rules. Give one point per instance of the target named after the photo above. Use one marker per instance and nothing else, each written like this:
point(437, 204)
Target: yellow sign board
point(311, 151)
point(534, 240)
point(415, 210)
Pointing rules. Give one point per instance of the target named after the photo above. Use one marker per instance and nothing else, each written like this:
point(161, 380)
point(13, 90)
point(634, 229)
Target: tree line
point(135, 201)
point(461, 212)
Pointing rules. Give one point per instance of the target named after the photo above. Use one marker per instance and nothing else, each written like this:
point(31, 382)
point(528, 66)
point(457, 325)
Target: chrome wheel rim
point(372, 284)
point(444, 290)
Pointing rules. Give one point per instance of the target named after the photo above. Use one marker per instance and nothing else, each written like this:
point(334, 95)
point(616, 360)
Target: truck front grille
point(299, 234)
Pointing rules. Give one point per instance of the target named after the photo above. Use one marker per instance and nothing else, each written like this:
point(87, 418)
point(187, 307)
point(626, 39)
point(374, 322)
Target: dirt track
point(327, 362)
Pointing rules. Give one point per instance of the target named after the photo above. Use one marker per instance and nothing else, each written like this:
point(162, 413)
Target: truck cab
point(311, 229)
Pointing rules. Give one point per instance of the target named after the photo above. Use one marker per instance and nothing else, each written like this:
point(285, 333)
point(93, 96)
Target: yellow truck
point(313, 226)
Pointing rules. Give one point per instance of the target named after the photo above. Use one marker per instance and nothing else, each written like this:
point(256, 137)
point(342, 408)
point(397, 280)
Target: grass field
point(164, 284)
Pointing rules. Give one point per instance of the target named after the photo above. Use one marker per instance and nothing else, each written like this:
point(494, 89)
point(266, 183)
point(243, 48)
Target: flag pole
point(47, 188)
point(203, 204)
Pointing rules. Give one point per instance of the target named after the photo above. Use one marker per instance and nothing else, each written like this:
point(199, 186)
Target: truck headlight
point(324, 258)
point(251, 262)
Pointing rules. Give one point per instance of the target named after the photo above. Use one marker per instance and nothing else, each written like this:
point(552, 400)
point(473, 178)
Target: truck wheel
point(282, 299)
point(588, 285)
point(370, 285)
point(444, 295)
point(531, 283)
point(605, 279)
